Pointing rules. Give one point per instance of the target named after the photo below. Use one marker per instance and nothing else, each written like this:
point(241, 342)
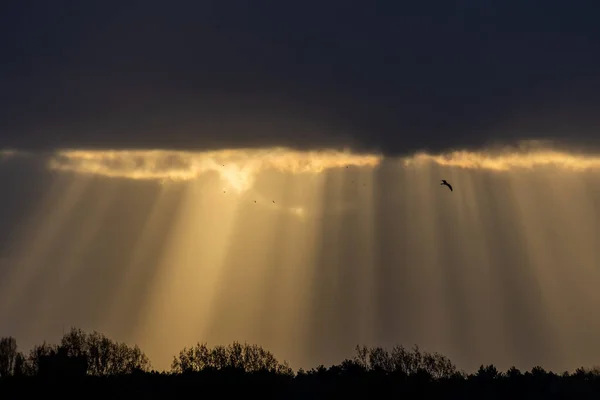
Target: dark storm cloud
point(376, 75)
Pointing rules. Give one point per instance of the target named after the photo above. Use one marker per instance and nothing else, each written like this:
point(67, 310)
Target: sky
point(382, 76)
point(269, 172)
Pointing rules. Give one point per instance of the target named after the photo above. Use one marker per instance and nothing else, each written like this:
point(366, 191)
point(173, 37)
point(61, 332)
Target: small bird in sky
point(446, 184)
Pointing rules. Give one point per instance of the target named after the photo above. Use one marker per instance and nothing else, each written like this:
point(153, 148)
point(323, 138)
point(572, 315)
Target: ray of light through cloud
point(312, 252)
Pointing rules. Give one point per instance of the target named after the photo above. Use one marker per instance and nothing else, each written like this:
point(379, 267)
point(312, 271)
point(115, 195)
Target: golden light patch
point(527, 155)
point(238, 167)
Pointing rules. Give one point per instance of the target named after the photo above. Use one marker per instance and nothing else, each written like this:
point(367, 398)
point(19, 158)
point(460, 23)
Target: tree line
point(78, 353)
point(86, 357)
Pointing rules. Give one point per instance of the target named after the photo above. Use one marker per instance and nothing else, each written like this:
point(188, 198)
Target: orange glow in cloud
point(238, 167)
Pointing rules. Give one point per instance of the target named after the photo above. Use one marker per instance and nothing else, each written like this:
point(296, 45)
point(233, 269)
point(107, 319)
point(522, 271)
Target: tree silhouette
point(245, 357)
point(106, 367)
point(104, 356)
point(487, 373)
point(58, 363)
point(20, 368)
point(36, 357)
point(94, 353)
point(401, 361)
point(8, 356)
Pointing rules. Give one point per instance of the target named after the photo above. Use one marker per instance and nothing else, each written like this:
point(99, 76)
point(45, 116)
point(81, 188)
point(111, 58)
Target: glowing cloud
point(238, 167)
point(526, 155)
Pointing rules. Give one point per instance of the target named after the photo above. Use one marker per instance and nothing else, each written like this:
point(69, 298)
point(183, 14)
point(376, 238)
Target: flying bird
point(447, 184)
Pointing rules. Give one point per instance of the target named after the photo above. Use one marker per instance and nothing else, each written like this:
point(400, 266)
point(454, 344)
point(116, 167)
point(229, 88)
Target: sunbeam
point(311, 253)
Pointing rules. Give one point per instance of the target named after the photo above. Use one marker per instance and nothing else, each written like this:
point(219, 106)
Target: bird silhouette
point(446, 184)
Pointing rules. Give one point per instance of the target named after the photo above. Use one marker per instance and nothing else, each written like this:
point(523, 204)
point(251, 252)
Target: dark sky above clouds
point(375, 75)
